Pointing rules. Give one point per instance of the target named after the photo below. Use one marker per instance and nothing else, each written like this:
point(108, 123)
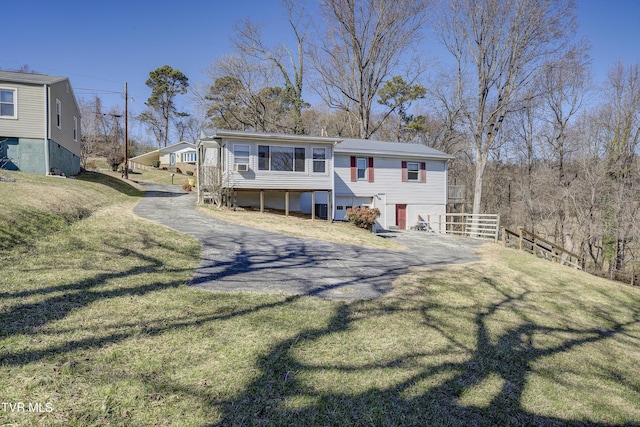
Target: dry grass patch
point(302, 226)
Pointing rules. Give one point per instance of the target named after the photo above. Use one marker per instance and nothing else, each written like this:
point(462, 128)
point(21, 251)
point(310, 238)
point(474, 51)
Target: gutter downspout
point(198, 157)
point(333, 181)
point(46, 129)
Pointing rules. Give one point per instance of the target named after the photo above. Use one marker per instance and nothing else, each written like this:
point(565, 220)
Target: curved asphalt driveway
point(237, 258)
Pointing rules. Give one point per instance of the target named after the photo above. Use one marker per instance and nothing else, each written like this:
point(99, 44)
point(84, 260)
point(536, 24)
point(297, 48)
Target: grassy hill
point(97, 327)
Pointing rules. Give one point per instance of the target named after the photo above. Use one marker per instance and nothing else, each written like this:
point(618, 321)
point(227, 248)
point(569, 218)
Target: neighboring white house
point(264, 170)
point(39, 124)
point(325, 176)
point(181, 155)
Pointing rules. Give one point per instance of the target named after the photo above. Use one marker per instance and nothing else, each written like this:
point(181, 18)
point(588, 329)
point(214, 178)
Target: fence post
point(497, 227)
point(520, 230)
point(440, 223)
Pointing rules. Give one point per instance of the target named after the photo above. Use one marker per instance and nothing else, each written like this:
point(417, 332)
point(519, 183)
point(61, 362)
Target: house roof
point(148, 158)
point(210, 135)
point(18, 77)
point(342, 145)
point(389, 149)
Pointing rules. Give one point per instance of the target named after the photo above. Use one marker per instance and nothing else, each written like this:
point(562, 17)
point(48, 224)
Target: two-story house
point(402, 180)
point(39, 124)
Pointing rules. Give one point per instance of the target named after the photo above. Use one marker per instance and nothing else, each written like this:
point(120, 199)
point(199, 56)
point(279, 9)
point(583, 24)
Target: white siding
point(387, 189)
point(278, 180)
point(388, 181)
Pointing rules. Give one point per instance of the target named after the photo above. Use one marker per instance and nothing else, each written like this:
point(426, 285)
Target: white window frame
point(14, 103)
point(58, 114)
point(188, 157)
point(268, 167)
point(417, 172)
point(75, 129)
point(318, 161)
point(365, 175)
point(241, 159)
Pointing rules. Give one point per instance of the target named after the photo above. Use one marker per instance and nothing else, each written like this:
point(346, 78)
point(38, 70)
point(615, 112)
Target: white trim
point(417, 171)
point(241, 159)
point(47, 162)
point(58, 114)
point(324, 160)
point(15, 103)
point(366, 169)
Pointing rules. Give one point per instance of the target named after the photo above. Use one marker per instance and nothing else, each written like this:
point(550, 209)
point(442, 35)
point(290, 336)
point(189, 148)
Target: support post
point(261, 201)
point(329, 208)
point(286, 203)
point(313, 205)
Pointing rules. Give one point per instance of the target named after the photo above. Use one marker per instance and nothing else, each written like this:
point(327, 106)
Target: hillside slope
point(97, 325)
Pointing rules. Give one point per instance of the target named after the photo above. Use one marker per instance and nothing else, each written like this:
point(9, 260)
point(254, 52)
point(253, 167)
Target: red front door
point(401, 216)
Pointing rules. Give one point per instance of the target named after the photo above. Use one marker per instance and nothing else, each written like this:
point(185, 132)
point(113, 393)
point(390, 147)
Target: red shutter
point(423, 172)
point(354, 176)
point(370, 169)
point(404, 171)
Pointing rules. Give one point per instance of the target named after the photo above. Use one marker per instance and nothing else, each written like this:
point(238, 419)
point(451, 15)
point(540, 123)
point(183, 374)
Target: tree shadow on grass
point(27, 318)
point(271, 398)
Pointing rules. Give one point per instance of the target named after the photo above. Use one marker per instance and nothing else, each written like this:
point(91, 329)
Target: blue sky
point(101, 44)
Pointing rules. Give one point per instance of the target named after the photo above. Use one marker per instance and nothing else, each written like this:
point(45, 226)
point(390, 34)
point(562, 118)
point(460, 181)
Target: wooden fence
point(482, 226)
point(534, 244)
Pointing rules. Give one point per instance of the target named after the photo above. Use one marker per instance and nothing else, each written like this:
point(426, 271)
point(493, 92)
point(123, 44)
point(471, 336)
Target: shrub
point(115, 159)
point(186, 186)
point(190, 173)
point(155, 163)
point(363, 217)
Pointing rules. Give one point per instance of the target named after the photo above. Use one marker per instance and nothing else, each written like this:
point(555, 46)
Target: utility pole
point(126, 132)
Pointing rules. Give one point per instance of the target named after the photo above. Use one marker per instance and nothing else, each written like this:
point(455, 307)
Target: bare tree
point(188, 128)
point(621, 132)
point(563, 86)
point(249, 41)
point(364, 43)
point(499, 46)
point(100, 130)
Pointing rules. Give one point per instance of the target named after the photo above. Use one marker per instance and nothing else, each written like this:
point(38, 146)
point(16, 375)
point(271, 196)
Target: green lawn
point(97, 327)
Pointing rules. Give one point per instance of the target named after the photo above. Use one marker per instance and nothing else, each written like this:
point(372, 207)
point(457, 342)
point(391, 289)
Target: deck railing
point(482, 226)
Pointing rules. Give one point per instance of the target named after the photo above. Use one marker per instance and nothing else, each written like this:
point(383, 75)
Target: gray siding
point(31, 112)
point(64, 134)
point(275, 180)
